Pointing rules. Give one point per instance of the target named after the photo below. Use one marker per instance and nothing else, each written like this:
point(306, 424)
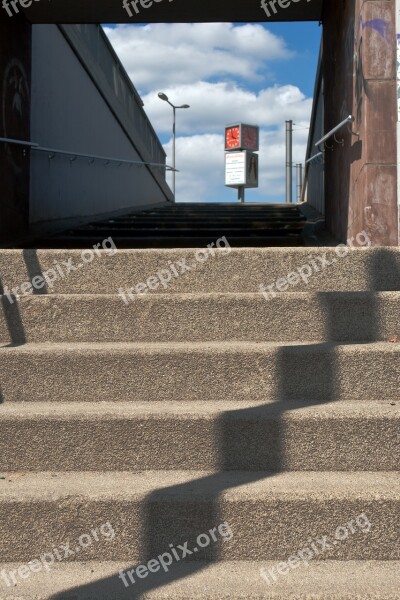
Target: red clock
point(242, 137)
point(232, 137)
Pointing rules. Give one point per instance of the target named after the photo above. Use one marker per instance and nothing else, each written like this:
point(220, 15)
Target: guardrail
point(92, 157)
point(327, 136)
point(349, 119)
point(315, 157)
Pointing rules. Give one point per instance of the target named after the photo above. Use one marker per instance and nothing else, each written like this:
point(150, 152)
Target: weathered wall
point(15, 67)
point(360, 79)
point(70, 112)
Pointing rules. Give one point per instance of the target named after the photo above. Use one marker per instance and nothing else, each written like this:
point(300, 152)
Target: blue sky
point(304, 39)
point(255, 73)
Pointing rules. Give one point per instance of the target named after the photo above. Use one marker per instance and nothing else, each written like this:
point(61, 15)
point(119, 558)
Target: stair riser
point(238, 442)
point(263, 528)
point(288, 317)
point(316, 373)
point(241, 270)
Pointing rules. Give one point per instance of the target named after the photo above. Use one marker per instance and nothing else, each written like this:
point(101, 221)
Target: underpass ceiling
point(174, 11)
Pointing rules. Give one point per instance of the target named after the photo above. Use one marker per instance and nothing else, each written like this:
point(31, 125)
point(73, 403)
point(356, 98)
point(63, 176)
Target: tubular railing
point(332, 132)
point(327, 136)
point(91, 157)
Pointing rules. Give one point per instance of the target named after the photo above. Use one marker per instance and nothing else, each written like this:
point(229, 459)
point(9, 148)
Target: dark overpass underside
point(359, 71)
point(167, 11)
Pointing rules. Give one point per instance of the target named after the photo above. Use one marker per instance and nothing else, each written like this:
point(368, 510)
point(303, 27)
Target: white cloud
point(156, 55)
point(200, 160)
point(223, 71)
point(212, 105)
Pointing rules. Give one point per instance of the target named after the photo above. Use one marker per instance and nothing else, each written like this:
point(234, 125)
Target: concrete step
point(190, 226)
point(203, 371)
point(174, 220)
point(222, 208)
point(266, 516)
point(215, 436)
point(241, 580)
point(139, 229)
point(238, 270)
point(332, 316)
point(156, 241)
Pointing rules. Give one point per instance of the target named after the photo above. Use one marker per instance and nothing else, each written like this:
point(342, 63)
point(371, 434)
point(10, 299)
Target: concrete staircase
point(132, 424)
point(191, 225)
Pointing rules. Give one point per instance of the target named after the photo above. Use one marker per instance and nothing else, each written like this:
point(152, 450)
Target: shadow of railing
point(13, 321)
point(10, 303)
point(304, 375)
point(10, 308)
point(34, 269)
point(384, 270)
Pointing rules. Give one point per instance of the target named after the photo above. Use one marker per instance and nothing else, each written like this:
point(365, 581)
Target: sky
point(244, 72)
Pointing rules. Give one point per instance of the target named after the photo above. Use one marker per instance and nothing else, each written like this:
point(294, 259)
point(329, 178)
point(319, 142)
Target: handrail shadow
point(160, 517)
point(10, 309)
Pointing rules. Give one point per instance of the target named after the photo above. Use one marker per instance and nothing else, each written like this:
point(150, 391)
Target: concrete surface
point(240, 270)
point(271, 515)
point(197, 406)
point(200, 436)
point(203, 371)
point(288, 317)
point(329, 580)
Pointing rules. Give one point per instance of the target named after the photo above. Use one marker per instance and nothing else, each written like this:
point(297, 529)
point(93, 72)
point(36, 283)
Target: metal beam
point(163, 11)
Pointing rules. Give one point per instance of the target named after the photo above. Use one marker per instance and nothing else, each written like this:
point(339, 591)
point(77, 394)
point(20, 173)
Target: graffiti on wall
point(15, 104)
point(381, 26)
point(15, 74)
point(384, 30)
point(360, 83)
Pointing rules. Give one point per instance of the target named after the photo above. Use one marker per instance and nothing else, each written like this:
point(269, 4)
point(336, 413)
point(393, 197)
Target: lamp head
point(163, 96)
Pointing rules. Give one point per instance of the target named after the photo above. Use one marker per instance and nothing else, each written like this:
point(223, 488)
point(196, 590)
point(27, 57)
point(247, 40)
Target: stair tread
point(323, 580)
point(255, 295)
point(199, 485)
point(241, 269)
point(189, 346)
point(197, 410)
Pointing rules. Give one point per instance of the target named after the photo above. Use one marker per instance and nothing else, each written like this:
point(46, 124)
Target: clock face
point(232, 137)
point(249, 137)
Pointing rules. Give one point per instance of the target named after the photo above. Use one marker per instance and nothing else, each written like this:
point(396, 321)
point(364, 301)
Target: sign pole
point(289, 161)
point(242, 141)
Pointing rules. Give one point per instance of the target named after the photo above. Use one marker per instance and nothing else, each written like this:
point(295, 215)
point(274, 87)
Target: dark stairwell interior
point(190, 225)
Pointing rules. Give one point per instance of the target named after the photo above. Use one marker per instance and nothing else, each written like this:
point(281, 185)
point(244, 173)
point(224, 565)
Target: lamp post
point(164, 97)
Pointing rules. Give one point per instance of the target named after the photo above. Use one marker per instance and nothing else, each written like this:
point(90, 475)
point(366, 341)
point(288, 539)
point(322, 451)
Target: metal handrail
point(107, 159)
point(349, 119)
point(314, 157)
point(19, 142)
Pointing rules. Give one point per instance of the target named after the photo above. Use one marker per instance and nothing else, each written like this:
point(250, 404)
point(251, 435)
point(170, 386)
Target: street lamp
point(166, 99)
